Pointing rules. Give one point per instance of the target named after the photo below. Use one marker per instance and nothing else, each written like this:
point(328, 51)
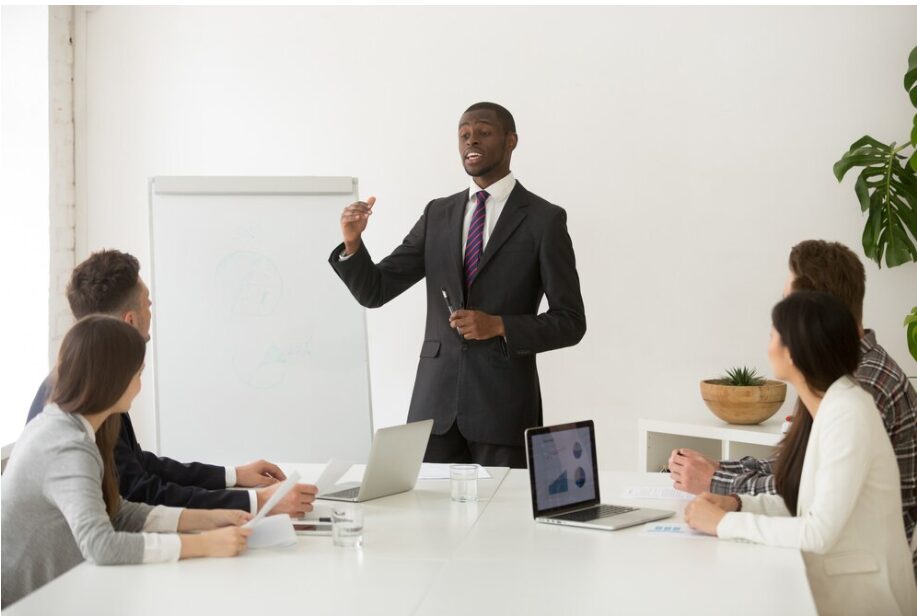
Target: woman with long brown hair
point(61, 503)
point(839, 498)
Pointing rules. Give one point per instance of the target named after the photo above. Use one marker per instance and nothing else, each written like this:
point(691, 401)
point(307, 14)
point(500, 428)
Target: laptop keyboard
point(348, 493)
point(594, 513)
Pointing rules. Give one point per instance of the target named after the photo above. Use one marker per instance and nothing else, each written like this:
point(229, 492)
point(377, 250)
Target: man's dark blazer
point(144, 477)
point(489, 387)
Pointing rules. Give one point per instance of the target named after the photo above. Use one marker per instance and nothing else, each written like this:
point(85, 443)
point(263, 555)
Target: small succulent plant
point(742, 377)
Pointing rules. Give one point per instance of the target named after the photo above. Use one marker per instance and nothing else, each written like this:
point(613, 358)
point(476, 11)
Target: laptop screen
point(562, 467)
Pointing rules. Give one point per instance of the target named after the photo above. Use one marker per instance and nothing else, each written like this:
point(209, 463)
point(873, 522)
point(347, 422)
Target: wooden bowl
point(743, 405)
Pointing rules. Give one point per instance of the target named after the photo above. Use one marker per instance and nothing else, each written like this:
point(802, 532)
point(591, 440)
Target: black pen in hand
point(449, 307)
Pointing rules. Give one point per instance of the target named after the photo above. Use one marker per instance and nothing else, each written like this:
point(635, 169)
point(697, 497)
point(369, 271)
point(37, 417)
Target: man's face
point(123, 404)
point(788, 285)
point(788, 288)
point(141, 316)
point(484, 146)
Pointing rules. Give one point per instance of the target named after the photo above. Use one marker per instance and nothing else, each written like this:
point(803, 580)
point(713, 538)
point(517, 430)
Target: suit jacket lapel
point(456, 220)
point(513, 214)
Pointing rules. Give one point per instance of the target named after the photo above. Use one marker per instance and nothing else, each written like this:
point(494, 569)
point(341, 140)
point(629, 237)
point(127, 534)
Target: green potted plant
point(743, 397)
point(910, 322)
point(887, 191)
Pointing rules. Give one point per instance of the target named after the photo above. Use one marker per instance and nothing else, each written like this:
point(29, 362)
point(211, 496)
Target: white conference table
point(424, 554)
point(547, 569)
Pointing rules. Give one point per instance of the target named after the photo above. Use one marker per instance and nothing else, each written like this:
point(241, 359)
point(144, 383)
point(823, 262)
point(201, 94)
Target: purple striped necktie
point(474, 245)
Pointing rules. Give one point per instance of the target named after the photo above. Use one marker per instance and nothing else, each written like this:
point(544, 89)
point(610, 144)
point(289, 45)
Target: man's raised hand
point(353, 223)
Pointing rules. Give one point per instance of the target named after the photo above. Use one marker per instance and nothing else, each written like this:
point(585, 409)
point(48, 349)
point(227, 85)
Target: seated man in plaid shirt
point(831, 267)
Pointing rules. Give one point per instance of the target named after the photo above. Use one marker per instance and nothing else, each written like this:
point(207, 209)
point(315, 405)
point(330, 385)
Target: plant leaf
point(888, 192)
point(910, 77)
point(911, 248)
point(871, 232)
point(897, 255)
point(874, 172)
point(912, 162)
point(901, 250)
point(742, 377)
point(911, 318)
point(858, 159)
point(862, 190)
point(910, 322)
point(887, 188)
point(867, 140)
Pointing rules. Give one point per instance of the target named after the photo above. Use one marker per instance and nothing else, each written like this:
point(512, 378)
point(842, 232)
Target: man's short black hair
point(104, 283)
point(503, 114)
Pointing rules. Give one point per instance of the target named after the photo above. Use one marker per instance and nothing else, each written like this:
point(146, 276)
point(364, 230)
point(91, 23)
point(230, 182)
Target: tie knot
point(481, 196)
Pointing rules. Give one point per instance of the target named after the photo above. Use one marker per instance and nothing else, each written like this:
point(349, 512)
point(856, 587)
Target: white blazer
point(848, 522)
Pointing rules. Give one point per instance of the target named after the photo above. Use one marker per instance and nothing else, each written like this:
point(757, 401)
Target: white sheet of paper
point(657, 492)
point(673, 529)
point(275, 498)
point(273, 532)
point(333, 471)
point(430, 470)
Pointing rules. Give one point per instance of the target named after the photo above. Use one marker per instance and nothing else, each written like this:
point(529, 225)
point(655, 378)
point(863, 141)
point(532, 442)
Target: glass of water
point(347, 525)
point(464, 482)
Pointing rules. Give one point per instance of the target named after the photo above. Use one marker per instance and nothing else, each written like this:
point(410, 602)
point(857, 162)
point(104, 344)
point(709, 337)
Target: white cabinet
point(708, 435)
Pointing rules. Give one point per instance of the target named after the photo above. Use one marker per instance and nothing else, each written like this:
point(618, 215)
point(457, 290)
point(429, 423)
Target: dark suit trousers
point(453, 447)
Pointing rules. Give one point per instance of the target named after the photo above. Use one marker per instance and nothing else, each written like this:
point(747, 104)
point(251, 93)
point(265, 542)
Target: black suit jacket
point(144, 477)
point(489, 387)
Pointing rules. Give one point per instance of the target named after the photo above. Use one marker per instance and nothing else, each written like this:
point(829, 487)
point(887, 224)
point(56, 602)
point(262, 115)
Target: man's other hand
point(691, 471)
point(476, 325)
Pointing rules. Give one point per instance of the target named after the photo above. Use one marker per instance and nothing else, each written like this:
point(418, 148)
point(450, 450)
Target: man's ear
point(512, 140)
point(130, 317)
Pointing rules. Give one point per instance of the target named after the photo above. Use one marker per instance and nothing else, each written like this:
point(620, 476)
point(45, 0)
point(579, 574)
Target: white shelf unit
point(710, 436)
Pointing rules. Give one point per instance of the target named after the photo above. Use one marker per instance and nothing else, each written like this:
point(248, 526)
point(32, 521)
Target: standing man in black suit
point(495, 249)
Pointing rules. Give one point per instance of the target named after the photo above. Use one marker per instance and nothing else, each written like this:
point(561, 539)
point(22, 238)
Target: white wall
point(691, 147)
point(23, 211)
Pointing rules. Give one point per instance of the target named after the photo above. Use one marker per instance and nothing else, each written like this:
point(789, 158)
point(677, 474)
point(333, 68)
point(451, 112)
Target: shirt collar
point(87, 426)
point(868, 341)
point(499, 190)
point(90, 431)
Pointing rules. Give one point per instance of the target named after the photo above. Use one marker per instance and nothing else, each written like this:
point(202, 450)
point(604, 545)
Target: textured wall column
point(62, 195)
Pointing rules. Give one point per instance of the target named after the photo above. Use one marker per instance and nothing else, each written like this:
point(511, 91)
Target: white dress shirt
point(498, 194)
point(157, 548)
point(252, 494)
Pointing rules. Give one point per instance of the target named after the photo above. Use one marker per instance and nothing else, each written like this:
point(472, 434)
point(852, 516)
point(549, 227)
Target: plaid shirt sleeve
point(746, 476)
point(896, 401)
point(904, 443)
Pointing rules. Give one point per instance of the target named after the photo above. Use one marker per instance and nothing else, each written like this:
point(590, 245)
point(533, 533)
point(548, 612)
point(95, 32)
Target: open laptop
point(393, 466)
point(563, 471)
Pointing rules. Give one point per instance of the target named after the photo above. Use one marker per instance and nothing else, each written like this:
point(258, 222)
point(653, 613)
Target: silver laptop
point(563, 471)
point(393, 466)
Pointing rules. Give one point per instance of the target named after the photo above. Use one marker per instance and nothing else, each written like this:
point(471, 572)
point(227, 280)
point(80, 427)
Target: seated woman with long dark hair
point(61, 503)
point(839, 498)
